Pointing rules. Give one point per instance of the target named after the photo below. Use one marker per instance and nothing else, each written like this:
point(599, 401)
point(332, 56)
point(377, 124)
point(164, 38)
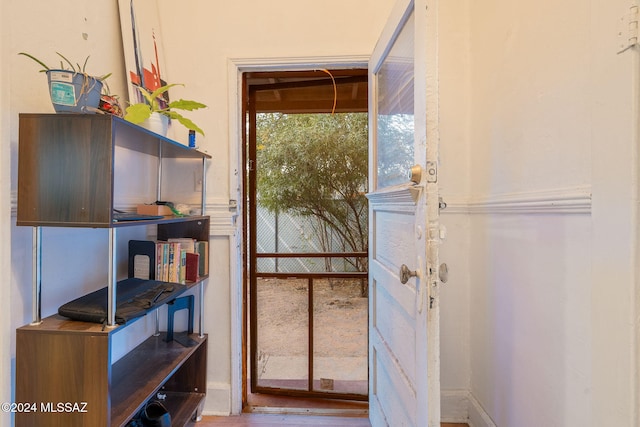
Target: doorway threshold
point(272, 404)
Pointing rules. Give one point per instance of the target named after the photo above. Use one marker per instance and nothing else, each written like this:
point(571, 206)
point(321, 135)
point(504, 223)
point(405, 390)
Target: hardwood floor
point(265, 410)
point(278, 420)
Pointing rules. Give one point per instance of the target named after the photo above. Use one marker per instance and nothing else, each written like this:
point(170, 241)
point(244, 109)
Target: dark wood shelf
point(66, 165)
point(165, 220)
point(116, 224)
point(183, 406)
point(140, 374)
point(126, 134)
point(134, 137)
point(60, 324)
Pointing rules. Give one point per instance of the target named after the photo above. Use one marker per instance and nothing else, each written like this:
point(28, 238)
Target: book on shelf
point(185, 243)
point(174, 261)
point(182, 270)
point(192, 266)
point(162, 266)
point(168, 261)
point(202, 248)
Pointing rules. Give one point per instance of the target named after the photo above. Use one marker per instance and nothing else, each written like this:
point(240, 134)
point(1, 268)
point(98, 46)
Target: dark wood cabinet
point(65, 375)
point(64, 368)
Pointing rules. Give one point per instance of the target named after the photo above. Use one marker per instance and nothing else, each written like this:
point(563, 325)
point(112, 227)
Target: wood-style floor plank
point(273, 420)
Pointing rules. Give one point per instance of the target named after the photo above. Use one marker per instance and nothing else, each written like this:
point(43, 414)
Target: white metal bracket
point(628, 30)
point(432, 172)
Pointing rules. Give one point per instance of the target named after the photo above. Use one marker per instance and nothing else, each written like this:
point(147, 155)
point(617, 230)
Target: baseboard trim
point(218, 400)
point(478, 417)
point(460, 406)
point(454, 406)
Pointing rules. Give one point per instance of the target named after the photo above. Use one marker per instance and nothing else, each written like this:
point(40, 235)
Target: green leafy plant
point(315, 166)
point(138, 113)
point(65, 64)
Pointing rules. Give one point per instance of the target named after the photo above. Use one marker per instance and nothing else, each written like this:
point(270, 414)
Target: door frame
point(236, 67)
point(253, 108)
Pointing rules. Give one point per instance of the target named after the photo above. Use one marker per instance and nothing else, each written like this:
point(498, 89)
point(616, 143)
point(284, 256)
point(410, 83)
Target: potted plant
point(70, 87)
point(157, 105)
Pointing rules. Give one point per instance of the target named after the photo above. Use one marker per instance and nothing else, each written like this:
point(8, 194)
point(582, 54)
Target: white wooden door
point(404, 365)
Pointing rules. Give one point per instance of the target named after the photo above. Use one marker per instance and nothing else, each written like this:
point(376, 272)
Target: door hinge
point(628, 29)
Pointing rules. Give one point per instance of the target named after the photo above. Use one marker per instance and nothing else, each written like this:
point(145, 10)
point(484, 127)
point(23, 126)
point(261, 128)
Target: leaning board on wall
point(65, 179)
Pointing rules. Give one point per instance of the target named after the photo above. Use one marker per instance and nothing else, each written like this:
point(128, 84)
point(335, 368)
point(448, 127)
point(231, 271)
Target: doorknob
point(415, 174)
point(406, 274)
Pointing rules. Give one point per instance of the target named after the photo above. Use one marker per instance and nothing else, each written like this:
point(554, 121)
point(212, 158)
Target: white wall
point(454, 65)
point(553, 121)
point(6, 331)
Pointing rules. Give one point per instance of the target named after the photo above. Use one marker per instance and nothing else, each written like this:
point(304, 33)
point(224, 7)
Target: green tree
point(395, 148)
point(315, 165)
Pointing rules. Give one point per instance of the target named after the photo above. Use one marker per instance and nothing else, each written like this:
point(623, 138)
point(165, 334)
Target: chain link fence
point(285, 233)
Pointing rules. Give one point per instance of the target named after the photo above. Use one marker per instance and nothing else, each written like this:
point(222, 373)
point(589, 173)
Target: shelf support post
point(36, 259)
point(159, 183)
point(201, 311)
point(111, 280)
point(158, 198)
point(157, 331)
point(204, 185)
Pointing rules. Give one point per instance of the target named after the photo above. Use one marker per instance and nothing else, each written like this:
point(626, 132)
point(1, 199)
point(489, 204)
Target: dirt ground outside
point(340, 316)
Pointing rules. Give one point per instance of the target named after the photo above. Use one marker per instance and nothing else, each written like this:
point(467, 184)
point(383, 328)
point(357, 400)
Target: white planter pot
point(157, 123)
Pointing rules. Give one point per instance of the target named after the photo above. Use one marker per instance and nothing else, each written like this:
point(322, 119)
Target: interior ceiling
point(309, 91)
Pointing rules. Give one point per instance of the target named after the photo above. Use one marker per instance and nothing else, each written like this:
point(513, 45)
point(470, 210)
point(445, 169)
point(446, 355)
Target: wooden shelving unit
point(64, 367)
point(66, 165)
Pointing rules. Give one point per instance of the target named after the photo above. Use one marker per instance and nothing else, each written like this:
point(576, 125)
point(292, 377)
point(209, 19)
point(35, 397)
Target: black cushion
point(134, 298)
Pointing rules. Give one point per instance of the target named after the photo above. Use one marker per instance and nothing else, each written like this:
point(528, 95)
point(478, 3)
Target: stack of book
point(179, 260)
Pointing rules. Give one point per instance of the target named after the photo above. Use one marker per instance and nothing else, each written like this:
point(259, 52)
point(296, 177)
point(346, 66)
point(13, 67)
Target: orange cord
point(335, 91)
